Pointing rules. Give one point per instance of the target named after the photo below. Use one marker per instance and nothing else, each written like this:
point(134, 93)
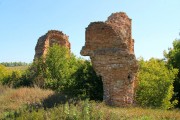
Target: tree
point(63, 72)
point(173, 60)
point(155, 85)
point(87, 83)
point(71, 75)
point(57, 67)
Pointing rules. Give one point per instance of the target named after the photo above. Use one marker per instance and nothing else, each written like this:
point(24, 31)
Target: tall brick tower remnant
point(111, 49)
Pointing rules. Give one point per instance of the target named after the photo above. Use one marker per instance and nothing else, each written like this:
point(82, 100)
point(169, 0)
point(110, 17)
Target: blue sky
point(155, 24)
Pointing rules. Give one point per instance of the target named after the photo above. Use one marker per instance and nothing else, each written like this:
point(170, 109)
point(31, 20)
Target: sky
point(155, 24)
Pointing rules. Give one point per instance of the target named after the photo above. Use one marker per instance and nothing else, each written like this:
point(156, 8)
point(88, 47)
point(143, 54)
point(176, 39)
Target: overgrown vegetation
point(75, 77)
point(35, 103)
point(64, 73)
point(173, 60)
point(74, 83)
point(86, 110)
point(3, 73)
point(155, 84)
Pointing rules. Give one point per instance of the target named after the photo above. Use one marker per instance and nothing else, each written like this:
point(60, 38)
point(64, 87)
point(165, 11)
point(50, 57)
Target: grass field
point(35, 103)
point(13, 99)
point(21, 68)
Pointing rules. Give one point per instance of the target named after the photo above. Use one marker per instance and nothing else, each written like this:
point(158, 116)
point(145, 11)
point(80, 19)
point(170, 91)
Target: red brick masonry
point(111, 49)
point(51, 37)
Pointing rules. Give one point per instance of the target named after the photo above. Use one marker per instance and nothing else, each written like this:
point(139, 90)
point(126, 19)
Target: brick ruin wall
point(47, 40)
point(111, 49)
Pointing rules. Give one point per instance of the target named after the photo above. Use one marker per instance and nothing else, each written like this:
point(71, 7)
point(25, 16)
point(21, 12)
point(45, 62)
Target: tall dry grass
point(3, 89)
point(12, 99)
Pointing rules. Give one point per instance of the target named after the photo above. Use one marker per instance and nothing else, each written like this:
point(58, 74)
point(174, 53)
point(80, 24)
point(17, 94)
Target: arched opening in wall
point(97, 93)
point(87, 83)
point(91, 82)
point(53, 41)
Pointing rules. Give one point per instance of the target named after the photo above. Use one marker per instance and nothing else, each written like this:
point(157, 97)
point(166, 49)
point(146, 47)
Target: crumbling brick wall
point(111, 49)
point(50, 38)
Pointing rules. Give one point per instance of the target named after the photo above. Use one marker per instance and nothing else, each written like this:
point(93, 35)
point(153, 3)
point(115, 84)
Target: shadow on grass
point(57, 99)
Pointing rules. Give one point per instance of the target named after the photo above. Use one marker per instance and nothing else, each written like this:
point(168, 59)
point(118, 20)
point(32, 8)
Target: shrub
point(13, 79)
point(87, 83)
point(3, 73)
point(173, 58)
point(155, 87)
point(57, 67)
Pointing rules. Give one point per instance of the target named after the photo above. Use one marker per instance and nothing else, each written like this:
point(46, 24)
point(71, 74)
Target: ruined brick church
point(111, 49)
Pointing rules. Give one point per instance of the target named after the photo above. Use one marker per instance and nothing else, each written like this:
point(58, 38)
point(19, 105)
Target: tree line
point(13, 64)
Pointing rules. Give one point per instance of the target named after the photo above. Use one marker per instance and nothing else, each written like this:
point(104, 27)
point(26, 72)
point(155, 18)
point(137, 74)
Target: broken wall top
point(50, 38)
point(114, 33)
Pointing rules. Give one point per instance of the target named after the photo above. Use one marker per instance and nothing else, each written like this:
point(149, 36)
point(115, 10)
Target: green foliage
point(57, 64)
point(87, 83)
point(12, 80)
point(58, 71)
point(14, 77)
point(67, 74)
point(173, 60)
point(17, 79)
point(37, 73)
point(155, 87)
point(3, 72)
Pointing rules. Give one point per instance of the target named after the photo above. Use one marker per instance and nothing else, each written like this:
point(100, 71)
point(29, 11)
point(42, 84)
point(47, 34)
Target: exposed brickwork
point(111, 49)
point(51, 37)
